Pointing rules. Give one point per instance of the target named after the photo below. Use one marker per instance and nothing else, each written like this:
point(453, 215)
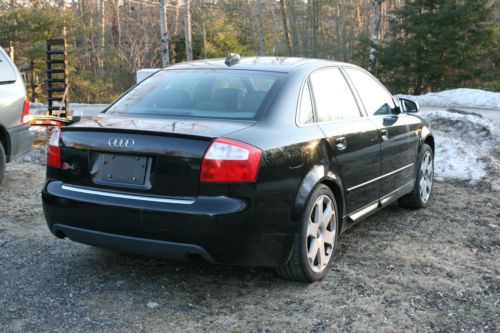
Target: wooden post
point(11, 50)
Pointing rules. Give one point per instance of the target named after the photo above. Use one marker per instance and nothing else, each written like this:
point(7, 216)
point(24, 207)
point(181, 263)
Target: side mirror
point(407, 105)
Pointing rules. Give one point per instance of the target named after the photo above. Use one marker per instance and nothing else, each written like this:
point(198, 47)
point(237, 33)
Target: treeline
point(414, 46)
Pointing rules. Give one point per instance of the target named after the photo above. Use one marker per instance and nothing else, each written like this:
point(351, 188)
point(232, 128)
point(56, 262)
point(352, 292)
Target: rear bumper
point(219, 229)
point(147, 247)
point(21, 140)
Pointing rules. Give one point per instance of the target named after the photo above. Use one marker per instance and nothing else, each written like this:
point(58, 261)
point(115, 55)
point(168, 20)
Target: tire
point(419, 197)
point(319, 230)
point(3, 161)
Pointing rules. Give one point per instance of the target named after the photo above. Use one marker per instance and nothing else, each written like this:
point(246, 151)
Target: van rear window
point(7, 72)
point(200, 93)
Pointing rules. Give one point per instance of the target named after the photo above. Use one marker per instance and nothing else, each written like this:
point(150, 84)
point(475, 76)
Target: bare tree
point(376, 18)
point(187, 31)
point(164, 35)
point(285, 27)
point(176, 30)
point(116, 27)
point(262, 48)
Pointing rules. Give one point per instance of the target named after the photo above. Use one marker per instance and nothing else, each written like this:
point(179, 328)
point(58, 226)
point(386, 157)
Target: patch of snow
point(467, 147)
point(35, 105)
point(153, 305)
point(461, 97)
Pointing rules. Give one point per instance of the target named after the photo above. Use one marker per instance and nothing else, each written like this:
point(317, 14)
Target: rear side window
point(200, 93)
point(306, 113)
point(333, 97)
point(7, 72)
point(375, 98)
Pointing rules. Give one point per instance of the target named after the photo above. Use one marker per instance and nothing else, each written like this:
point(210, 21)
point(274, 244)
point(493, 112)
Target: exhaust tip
point(60, 234)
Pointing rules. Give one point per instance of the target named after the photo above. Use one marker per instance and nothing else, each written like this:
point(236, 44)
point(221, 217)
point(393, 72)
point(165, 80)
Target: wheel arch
point(319, 174)
point(5, 141)
point(427, 138)
point(430, 141)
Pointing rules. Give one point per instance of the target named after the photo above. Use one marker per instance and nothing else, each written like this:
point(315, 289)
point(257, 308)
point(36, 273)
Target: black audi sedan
point(251, 161)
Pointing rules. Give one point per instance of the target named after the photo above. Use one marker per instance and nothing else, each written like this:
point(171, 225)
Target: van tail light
point(230, 161)
point(25, 117)
point(54, 150)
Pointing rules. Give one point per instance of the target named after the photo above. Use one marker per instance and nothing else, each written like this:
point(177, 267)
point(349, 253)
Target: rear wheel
point(421, 193)
point(315, 245)
point(3, 160)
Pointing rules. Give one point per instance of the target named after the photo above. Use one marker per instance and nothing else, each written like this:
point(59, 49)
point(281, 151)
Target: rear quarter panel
point(12, 97)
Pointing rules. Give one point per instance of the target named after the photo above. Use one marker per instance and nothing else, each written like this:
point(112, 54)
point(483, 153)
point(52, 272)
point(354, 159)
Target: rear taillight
point(54, 151)
point(25, 117)
point(228, 161)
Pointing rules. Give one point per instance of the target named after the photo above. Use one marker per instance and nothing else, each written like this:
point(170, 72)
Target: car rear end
point(143, 179)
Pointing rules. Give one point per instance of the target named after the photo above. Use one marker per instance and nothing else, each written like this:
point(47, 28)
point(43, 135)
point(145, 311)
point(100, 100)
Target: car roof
point(271, 64)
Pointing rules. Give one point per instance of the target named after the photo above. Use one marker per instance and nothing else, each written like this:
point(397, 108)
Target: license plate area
point(128, 171)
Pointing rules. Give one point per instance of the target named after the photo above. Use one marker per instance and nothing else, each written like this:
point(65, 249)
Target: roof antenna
point(232, 58)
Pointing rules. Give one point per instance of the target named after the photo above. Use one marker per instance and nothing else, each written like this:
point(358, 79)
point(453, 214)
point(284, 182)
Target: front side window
point(333, 97)
point(200, 93)
point(375, 98)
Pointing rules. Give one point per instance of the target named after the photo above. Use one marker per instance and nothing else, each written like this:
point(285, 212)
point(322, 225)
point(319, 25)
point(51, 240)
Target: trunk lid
point(149, 156)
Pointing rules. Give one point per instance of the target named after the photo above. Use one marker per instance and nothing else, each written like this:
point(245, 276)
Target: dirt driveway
point(429, 270)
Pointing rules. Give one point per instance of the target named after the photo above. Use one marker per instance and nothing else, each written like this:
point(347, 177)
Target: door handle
point(341, 143)
point(384, 134)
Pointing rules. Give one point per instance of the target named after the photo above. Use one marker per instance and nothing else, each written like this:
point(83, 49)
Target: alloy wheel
point(321, 230)
point(426, 177)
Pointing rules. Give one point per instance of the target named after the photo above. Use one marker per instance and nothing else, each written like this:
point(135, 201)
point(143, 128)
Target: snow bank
point(462, 97)
point(467, 147)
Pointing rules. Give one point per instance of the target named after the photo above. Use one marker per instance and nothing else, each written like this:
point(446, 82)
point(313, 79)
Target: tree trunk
point(285, 27)
point(187, 31)
point(293, 30)
point(116, 30)
point(251, 19)
point(165, 56)
point(204, 32)
point(32, 80)
point(103, 33)
point(174, 33)
point(376, 18)
point(262, 46)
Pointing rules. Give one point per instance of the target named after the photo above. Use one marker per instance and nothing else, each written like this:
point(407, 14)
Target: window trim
point(305, 85)
point(313, 99)
point(344, 68)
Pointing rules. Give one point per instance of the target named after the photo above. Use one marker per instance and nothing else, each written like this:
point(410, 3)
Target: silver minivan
point(15, 137)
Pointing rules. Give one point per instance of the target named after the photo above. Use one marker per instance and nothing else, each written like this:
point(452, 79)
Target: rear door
point(353, 139)
point(398, 132)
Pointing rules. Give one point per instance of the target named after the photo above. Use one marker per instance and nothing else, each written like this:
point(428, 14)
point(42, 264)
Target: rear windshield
point(227, 94)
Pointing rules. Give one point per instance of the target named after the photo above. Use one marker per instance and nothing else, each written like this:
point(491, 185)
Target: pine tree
point(439, 44)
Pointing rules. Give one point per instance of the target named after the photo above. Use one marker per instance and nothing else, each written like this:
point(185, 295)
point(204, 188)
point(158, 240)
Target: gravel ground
point(435, 269)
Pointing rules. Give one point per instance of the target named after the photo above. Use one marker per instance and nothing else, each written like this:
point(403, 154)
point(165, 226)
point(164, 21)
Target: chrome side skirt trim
point(364, 211)
point(380, 177)
point(396, 193)
point(126, 196)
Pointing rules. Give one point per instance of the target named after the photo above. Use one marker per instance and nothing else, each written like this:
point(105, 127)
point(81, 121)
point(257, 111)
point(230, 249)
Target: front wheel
point(315, 244)
point(419, 197)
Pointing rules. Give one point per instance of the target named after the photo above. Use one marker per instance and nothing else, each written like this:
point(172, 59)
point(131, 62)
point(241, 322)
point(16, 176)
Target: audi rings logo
point(121, 143)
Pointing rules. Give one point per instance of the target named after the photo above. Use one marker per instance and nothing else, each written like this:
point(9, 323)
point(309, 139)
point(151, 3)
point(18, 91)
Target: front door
point(398, 133)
